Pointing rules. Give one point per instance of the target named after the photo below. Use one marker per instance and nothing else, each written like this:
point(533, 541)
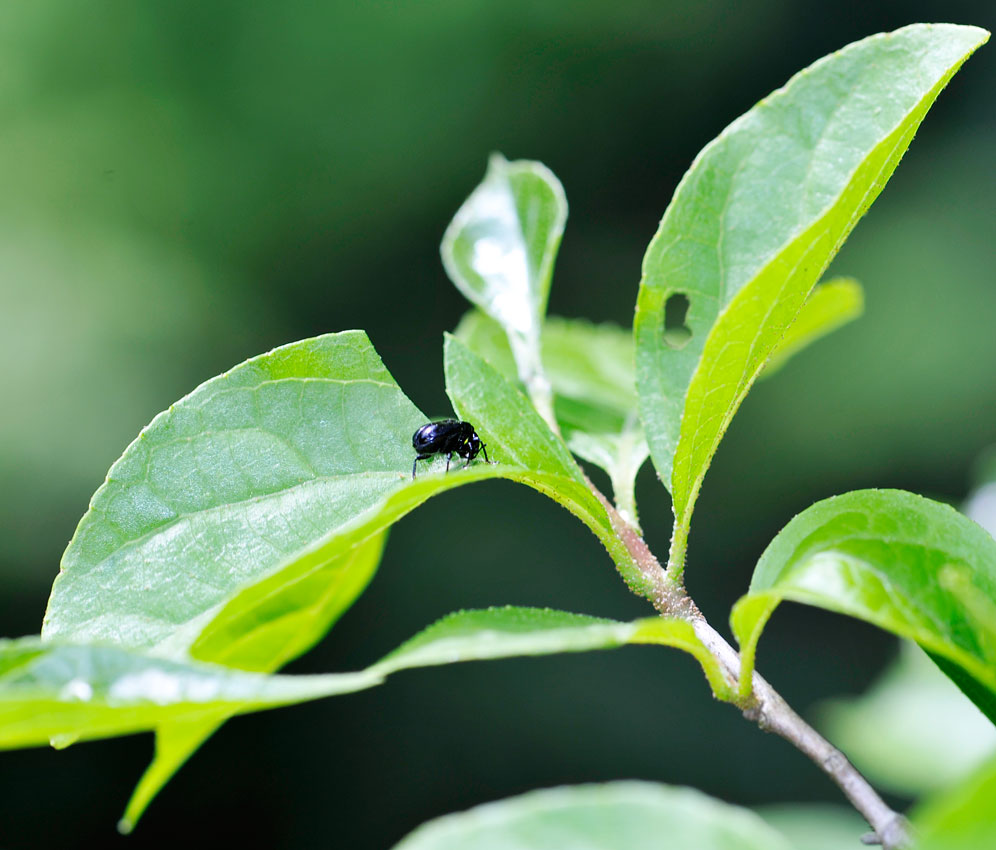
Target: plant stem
point(770, 712)
point(764, 705)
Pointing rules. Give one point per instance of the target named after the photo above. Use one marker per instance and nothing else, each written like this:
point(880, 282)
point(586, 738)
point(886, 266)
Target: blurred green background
point(184, 185)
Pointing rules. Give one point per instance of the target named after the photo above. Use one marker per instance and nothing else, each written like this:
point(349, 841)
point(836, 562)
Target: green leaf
point(590, 368)
point(273, 473)
point(909, 565)
point(913, 731)
point(499, 252)
point(52, 689)
point(754, 223)
point(513, 631)
point(504, 417)
point(631, 815)
point(828, 307)
point(962, 818)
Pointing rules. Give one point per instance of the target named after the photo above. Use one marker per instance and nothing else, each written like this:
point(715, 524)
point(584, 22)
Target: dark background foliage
point(187, 184)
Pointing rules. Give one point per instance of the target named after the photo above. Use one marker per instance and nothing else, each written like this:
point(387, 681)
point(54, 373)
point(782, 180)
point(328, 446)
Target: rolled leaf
point(499, 251)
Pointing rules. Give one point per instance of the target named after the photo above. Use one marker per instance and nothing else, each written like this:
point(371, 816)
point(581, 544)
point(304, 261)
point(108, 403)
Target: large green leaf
point(754, 223)
point(294, 456)
point(227, 486)
point(909, 565)
point(499, 251)
point(227, 530)
point(630, 815)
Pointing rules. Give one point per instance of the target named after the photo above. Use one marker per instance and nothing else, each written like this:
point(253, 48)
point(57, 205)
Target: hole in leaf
point(676, 332)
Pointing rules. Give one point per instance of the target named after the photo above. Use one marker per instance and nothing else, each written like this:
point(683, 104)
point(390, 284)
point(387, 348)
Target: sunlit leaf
point(227, 486)
point(753, 225)
point(894, 559)
point(499, 251)
point(227, 530)
point(631, 815)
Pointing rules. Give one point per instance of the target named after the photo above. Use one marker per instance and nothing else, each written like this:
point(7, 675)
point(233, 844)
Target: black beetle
point(450, 436)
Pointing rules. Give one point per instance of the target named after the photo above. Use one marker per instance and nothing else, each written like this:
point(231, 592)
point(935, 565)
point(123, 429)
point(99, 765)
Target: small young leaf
point(894, 559)
point(499, 251)
point(754, 223)
point(589, 364)
point(631, 815)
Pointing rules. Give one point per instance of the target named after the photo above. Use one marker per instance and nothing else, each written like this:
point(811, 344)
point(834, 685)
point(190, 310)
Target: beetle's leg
point(484, 449)
point(449, 457)
point(417, 459)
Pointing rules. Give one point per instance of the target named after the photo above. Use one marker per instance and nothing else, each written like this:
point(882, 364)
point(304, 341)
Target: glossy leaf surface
point(631, 815)
point(499, 251)
point(228, 485)
point(909, 565)
point(754, 223)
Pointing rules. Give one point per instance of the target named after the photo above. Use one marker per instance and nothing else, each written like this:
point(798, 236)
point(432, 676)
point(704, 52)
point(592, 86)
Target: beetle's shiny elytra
point(449, 437)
